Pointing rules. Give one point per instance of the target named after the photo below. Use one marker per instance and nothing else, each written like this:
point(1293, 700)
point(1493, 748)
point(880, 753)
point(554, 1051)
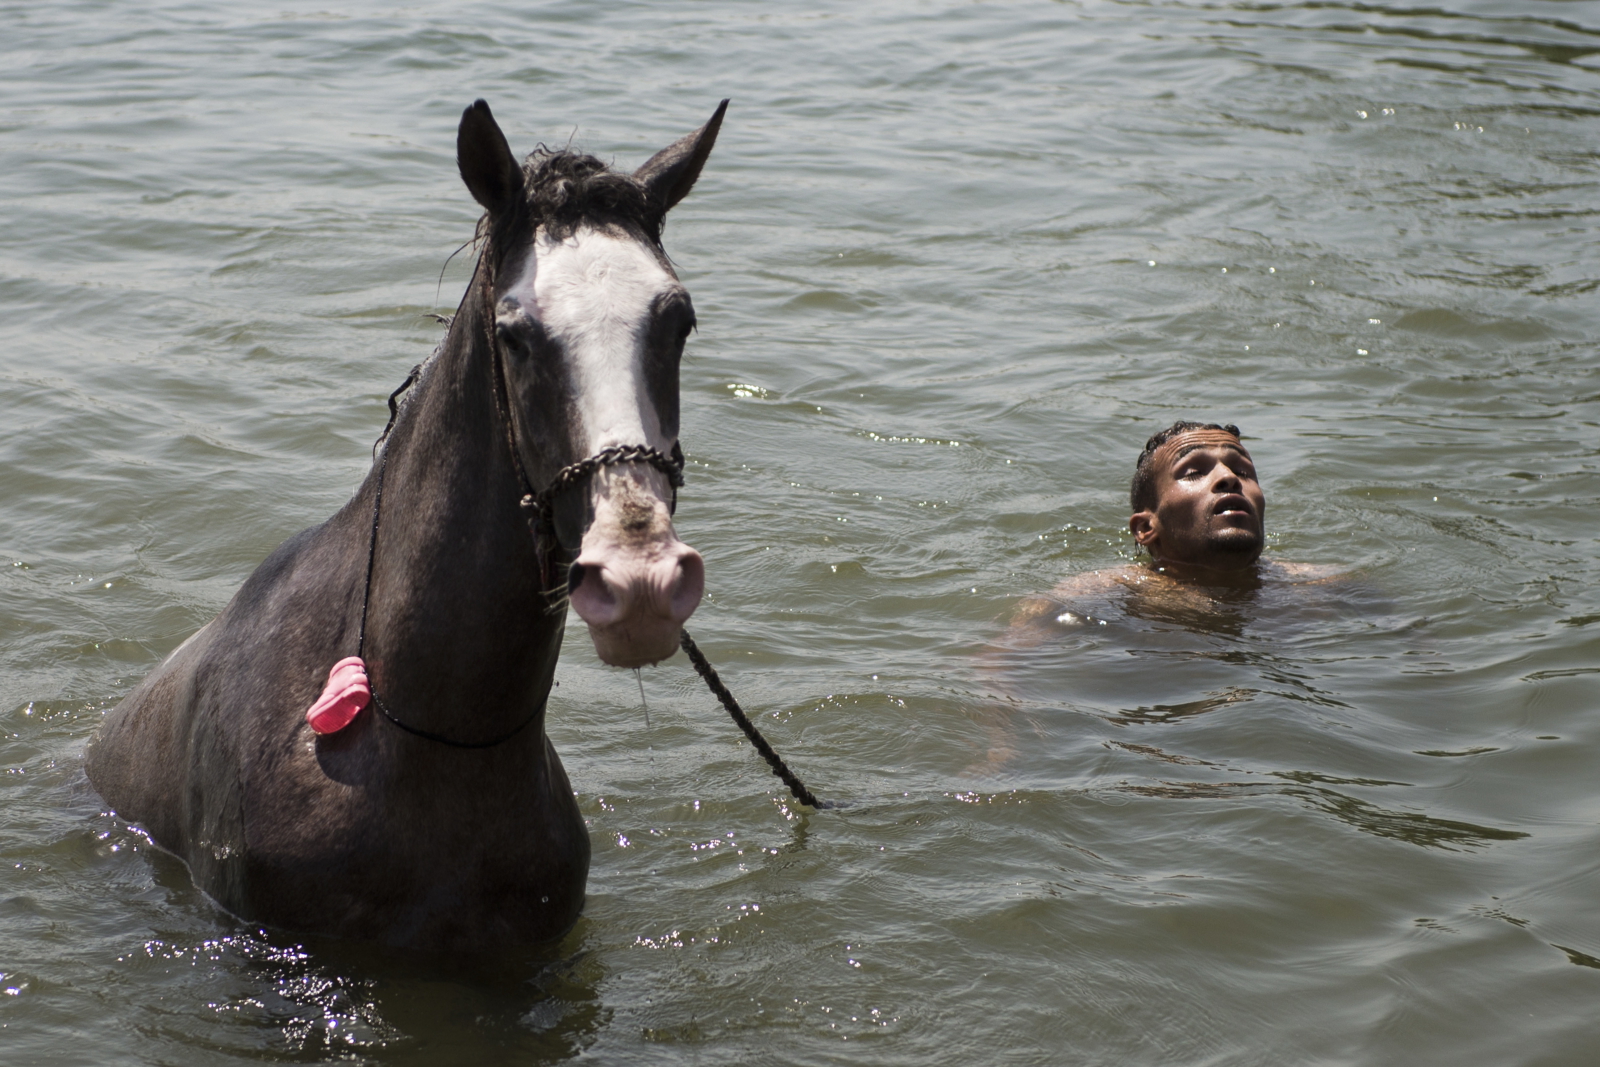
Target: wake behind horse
point(533, 463)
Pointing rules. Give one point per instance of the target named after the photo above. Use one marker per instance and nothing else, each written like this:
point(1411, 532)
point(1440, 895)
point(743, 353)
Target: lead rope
point(779, 768)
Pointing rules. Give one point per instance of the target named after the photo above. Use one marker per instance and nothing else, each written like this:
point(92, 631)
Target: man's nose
point(1226, 481)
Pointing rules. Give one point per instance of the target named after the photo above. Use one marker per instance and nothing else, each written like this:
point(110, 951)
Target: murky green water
point(952, 264)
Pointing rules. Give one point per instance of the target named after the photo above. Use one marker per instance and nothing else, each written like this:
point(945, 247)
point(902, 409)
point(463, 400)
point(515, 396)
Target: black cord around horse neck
point(361, 640)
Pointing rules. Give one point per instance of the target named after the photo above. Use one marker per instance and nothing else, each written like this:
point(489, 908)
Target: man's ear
point(668, 175)
point(485, 160)
point(1144, 527)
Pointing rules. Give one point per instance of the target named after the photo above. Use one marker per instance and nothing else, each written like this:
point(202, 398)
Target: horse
point(533, 463)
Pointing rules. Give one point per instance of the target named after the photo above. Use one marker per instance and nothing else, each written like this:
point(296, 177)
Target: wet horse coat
point(566, 343)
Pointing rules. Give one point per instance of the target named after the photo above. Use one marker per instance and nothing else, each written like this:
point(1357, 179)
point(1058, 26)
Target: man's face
point(1210, 506)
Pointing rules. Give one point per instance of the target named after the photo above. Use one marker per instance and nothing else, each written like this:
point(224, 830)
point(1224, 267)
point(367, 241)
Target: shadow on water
point(272, 996)
point(1411, 827)
point(1415, 828)
point(1155, 714)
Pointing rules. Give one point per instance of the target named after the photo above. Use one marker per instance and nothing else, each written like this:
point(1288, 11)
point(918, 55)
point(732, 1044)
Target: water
point(952, 264)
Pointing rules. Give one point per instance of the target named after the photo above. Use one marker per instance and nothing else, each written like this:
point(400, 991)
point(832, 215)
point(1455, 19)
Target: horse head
point(589, 321)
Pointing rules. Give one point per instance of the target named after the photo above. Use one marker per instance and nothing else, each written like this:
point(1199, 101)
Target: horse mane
point(568, 189)
point(564, 190)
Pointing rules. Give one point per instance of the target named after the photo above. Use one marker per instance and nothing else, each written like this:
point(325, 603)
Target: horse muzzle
point(636, 597)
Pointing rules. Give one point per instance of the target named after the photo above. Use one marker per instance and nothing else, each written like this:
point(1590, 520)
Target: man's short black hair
point(1142, 496)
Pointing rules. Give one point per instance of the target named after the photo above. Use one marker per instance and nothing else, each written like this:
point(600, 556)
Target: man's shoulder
point(1087, 583)
point(1144, 579)
point(1139, 577)
point(1073, 587)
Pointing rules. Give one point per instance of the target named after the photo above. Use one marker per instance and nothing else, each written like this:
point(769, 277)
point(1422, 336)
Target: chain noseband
point(539, 508)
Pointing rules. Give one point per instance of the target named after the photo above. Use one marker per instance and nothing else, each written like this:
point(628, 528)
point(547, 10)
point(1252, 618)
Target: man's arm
point(1305, 573)
point(1029, 628)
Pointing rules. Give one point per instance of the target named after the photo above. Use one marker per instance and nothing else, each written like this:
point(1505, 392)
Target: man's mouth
point(1232, 504)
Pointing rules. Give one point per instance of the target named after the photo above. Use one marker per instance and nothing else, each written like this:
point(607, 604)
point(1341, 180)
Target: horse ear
point(669, 174)
point(487, 165)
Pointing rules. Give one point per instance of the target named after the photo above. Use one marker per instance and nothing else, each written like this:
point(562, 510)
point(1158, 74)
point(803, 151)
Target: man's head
point(1196, 501)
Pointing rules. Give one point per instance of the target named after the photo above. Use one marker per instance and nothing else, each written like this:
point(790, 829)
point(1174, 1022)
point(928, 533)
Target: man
point(1198, 510)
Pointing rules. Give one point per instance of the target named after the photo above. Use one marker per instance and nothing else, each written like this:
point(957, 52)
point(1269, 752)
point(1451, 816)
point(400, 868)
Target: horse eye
point(684, 331)
point(514, 339)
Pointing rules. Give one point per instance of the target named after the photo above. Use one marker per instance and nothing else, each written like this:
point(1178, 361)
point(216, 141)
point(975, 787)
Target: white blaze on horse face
point(635, 582)
point(592, 292)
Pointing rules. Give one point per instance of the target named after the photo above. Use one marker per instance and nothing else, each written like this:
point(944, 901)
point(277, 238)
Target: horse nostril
point(574, 577)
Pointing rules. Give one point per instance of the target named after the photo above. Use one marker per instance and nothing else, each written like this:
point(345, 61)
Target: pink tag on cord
point(342, 699)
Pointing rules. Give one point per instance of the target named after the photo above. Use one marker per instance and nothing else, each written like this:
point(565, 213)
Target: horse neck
point(461, 640)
